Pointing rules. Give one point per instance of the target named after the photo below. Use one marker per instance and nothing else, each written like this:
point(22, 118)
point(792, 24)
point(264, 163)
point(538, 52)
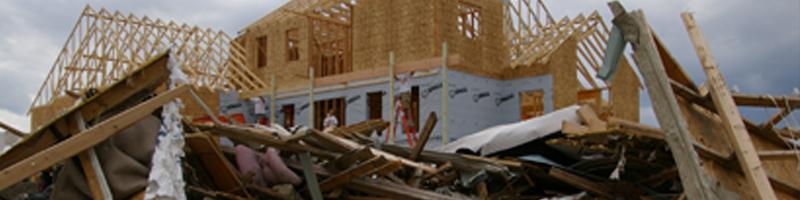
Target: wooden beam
point(636, 30)
point(87, 139)
point(139, 83)
point(785, 154)
point(425, 134)
point(729, 114)
point(12, 130)
point(766, 100)
point(776, 118)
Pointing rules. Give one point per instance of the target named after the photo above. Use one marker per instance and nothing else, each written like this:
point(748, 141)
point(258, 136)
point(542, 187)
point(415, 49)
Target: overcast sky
point(757, 43)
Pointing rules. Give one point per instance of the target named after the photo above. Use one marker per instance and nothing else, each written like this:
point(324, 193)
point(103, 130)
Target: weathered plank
point(729, 113)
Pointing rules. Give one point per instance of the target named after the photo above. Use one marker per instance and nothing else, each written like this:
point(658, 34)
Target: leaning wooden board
point(140, 82)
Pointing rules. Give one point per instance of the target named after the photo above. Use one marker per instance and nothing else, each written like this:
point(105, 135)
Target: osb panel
point(42, 114)
point(289, 73)
point(707, 130)
point(565, 80)
point(192, 109)
point(486, 55)
point(403, 26)
point(624, 93)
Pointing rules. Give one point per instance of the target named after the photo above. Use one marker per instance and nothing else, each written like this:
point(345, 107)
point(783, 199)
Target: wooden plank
point(139, 83)
point(779, 154)
point(425, 134)
point(590, 117)
point(729, 113)
point(766, 100)
point(353, 145)
point(635, 30)
point(222, 172)
point(311, 176)
point(81, 142)
point(12, 130)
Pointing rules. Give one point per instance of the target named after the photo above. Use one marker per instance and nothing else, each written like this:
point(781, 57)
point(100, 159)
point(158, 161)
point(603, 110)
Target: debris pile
point(103, 147)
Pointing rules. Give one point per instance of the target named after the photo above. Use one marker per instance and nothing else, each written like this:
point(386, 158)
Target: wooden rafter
point(105, 46)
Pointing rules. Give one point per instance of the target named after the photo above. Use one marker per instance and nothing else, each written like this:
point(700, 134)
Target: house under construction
point(487, 62)
point(506, 80)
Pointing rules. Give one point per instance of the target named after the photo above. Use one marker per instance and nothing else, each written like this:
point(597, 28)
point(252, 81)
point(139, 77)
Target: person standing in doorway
point(330, 122)
point(260, 109)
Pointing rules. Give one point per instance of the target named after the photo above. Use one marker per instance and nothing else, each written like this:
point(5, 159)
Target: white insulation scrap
point(166, 176)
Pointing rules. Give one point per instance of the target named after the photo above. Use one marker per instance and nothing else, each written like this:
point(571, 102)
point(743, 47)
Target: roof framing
point(105, 46)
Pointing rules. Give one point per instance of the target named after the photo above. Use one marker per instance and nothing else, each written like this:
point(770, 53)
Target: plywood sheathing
point(290, 73)
point(565, 80)
point(624, 93)
point(487, 54)
point(405, 27)
point(705, 126)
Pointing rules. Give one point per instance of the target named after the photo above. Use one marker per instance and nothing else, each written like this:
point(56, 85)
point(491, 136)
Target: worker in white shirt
point(260, 109)
point(330, 121)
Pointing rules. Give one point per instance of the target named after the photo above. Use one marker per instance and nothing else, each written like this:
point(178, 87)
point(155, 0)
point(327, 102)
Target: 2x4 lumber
point(392, 111)
point(779, 154)
point(139, 82)
point(590, 117)
point(791, 102)
point(425, 134)
point(311, 176)
point(12, 130)
point(353, 145)
point(92, 169)
point(445, 97)
point(635, 30)
point(776, 118)
point(729, 113)
point(767, 133)
point(85, 140)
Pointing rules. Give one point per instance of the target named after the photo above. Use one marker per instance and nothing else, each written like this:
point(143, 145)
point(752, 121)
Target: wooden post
point(310, 122)
point(310, 175)
point(273, 97)
point(445, 99)
point(392, 112)
point(729, 113)
point(635, 30)
point(92, 169)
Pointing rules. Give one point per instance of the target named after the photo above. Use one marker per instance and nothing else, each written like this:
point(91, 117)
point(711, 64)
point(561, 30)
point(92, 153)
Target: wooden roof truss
point(105, 46)
point(534, 35)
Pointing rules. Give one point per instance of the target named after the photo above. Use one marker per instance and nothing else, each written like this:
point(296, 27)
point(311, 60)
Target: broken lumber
point(85, 140)
point(636, 30)
point(729, 113)
point(426, 133)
